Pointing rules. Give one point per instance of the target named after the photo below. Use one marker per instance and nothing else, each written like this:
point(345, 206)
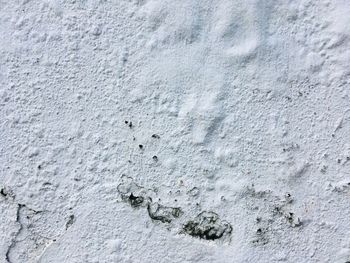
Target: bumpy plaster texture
point(174, 131)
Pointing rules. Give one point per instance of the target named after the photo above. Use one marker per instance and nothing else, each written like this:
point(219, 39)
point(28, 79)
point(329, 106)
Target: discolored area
point(133, 193)
point(208, 226)
point(135, 200)
point(162, 213)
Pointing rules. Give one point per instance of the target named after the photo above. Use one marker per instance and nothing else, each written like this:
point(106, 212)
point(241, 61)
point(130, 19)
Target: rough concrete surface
point(174, 131)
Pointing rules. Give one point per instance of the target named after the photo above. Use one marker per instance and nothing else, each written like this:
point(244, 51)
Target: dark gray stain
point(70, 221)
point(133, 193)
point(162, 213)
point(135, 201)
point(208, 226)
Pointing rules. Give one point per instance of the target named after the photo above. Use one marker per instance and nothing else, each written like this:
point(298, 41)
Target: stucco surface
point(174, 131)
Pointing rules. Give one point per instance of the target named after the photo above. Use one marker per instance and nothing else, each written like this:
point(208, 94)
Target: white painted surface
point(250, 102)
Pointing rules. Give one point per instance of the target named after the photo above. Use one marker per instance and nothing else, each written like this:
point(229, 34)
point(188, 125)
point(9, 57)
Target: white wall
point(237, 108)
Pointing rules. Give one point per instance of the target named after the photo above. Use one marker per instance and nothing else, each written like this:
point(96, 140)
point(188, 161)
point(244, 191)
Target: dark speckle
point(129, 124)
point(295, 222)
point(70, 221)
point(155, 136)
point(141, 146)
point(155, 158)
point(3, 192)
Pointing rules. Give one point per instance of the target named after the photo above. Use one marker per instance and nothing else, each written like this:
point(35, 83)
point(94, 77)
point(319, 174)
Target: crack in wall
point(8, 195)
point(23, 214)
point(14, 240)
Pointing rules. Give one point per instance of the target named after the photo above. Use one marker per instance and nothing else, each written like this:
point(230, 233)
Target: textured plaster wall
point(174, 131)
